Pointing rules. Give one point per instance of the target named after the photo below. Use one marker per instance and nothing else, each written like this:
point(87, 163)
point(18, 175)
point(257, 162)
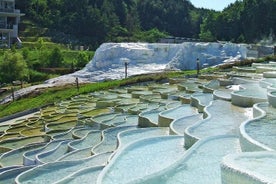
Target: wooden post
point(197, 66)
point(13, 98)
point(126, 63)
point(77, 83)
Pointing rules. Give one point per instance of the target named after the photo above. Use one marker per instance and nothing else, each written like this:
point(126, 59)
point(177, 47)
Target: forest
point(92, 22)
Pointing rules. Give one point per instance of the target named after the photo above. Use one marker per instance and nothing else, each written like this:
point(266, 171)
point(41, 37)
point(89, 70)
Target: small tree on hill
point(55, 58)
point(13, 67)
point(82, 59)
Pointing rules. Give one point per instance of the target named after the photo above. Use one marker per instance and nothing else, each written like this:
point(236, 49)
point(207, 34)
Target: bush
point(151, 36)
point(36, 76)
point(59, 71)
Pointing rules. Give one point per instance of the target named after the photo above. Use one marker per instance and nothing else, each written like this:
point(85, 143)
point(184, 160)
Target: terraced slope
point(157, 133)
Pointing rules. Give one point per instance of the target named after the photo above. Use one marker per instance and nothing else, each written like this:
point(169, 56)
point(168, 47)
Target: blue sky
point(212, 4)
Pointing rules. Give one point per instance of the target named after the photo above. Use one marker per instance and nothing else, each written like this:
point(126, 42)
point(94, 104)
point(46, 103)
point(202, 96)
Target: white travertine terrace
point(126, 146)
point(249, 168)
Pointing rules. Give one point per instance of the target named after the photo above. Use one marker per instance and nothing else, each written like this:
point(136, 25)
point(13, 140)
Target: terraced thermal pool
point(185, 131)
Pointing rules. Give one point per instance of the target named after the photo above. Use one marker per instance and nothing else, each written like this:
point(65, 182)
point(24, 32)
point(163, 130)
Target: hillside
point(96, 21)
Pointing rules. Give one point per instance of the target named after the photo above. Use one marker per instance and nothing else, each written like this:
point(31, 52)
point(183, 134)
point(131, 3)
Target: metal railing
point(7, 26)
point(7, 10)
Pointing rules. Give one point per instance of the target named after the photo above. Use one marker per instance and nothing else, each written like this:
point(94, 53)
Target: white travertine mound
point(109, 59)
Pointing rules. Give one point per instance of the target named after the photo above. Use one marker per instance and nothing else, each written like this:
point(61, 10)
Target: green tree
point(207, 28)
point(82, 59)
point(55, 58)
point(151, 36)
point(13, 67)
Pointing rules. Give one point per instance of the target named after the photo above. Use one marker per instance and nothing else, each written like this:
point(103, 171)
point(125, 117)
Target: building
point(9, 20)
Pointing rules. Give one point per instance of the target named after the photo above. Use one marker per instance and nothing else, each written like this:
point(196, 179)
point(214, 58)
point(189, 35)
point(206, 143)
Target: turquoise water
point(130, 136)
point(181, 124)
point(15, 157)
point(200, 165)
point(109, 142)
point(91, 139)
point(224, 119)
point(52, 172)
point(178, 112)
point(264, 130)
point(85, 176)
point(146, 157)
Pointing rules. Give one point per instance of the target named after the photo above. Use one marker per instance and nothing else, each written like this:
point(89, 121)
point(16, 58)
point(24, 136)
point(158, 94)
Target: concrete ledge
point(128, 137)
point(248, 144)
point(58, 152)
point(23, 113)
point(9, 175)
point(222, 95)
point(269, 74)
point(77, 141)
point(15, 157)
point(87, 175)
point(245, 101)
point(270, 64)
point(109, 141)
point(137, 94)
point(55, 171)
point(92, 138)
point(167, 148)
point(271, 95)
point(184, 171)
point(146, 122)
point(164, 121)
point(76, 155)
point(20, 114)
point(225, 82)
point(27, 160)
point(249, 168)
point(201, 100)
point(244, 69)
point(190, 139)
point(185, 99)
point(211, 86)
point(33, 140)
point(178, 126)
point(58, 126)
point(105, 103)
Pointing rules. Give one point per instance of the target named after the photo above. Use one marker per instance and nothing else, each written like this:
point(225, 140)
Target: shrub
point(36, 76)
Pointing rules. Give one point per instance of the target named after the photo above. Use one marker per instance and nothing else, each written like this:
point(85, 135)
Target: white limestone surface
point(110, 58)
point(249, 168)
point(258, 134)
point(223, 118)
point(199, 165)
point(141, 158)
